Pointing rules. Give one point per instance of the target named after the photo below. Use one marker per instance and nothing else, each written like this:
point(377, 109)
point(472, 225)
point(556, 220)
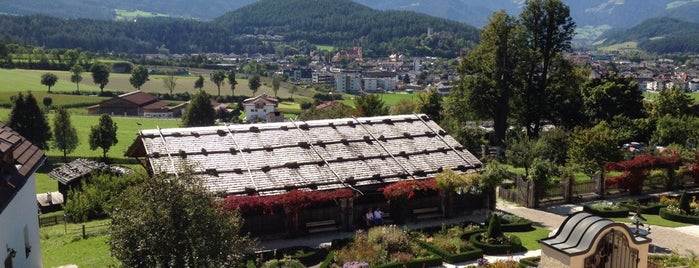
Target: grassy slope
point(61, 248)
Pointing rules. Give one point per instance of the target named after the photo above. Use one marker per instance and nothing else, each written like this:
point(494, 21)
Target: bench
point(426, 213)
point(322, 226)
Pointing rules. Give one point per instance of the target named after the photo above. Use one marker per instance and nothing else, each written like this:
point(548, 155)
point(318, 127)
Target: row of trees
point(100, 76)
point(28, 120)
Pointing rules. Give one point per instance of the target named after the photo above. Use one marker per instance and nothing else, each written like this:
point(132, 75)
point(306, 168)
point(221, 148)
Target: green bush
point(671, 216)
point(648, 207)
point(468, 254)
point(432, 261)
point(92, 199)
point(607, 210)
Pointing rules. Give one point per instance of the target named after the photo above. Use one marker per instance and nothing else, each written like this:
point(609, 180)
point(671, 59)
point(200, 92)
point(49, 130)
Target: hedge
point(449, 257)
point(467, 234)
point(620, 212)
point(520, 226)
point(678, 217)
point(529, 262)
point(653, 209)
point(416, 263)
point(514, 246)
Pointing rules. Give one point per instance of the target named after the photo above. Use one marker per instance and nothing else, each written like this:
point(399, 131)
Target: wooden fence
point(51, 220)
point(522, 191)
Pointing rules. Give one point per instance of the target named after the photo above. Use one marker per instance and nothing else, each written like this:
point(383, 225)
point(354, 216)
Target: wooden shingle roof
point(312, 155)
point(80, 167)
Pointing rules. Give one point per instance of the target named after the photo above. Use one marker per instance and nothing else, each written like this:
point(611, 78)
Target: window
point(27, 246)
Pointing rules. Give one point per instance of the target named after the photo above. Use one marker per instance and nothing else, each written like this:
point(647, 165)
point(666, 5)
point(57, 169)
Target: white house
point(257, 108)
point(19, 232)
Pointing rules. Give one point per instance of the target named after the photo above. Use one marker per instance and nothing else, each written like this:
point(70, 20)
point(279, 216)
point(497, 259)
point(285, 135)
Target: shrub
point(494, 230)
point(674, 214)
point(286, 263)
point(666, 200)
point(607, 209)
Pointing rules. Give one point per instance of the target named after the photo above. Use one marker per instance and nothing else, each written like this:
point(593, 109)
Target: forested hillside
point(659, 35)
point(326, 22)
point(105, 9)
point(345, 23)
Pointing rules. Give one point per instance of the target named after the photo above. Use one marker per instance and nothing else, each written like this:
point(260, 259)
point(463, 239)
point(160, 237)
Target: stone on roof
point(321, 154)
point(49, 199)
point(80, 167)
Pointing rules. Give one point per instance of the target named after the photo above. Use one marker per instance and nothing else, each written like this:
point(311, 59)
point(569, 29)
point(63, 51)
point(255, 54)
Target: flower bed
point(383, 246)
point(607, 210)
point(514, 223)
point(668, 214)
point(305, 255)
point(508, 245)
point(448, 244)
point(647, 206)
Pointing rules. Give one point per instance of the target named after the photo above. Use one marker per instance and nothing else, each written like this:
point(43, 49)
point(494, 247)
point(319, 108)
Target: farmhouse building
point(19, 160)
point(362, 154)
point(262, 108)
point(70, 175)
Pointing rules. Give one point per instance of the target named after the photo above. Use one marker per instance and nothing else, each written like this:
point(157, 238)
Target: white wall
point(21, 212)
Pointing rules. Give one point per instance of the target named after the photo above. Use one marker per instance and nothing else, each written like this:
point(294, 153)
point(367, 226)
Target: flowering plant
point(406, 189)
point(292, 201)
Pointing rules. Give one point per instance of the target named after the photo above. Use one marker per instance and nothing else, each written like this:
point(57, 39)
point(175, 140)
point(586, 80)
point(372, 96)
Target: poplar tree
point(65, 135)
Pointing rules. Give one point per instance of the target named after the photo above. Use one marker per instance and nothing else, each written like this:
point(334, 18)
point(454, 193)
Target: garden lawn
point(655, 220)
point(530, 239)
point(61, 248)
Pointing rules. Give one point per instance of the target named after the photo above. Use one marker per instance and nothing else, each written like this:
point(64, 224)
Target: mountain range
point(604, 21)
point(587, 13)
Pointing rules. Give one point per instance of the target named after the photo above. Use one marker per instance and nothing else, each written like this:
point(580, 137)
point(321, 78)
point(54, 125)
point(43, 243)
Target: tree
point(546, 32)
point(370, 105)
point(49, 79)
point(139, 76)
point(47, 102)
point(100, 75)
point(488, 78)
point(170, 81)
point(150, 229)
point(65, 135)
point(199, 83)
point(293, 90)
point(76, 75)
point(520, 152)
point(218, 78)
point(254, 83)
point(430, 103)
point(232, 82)
point(605, 98)
point(29, 121)
point(672, 102)
point(199, 112)
point(275, 85)
point(404, 106)
point(592, 148)
point(103, 135)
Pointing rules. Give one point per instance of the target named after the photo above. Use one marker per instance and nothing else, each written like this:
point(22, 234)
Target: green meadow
point(20, 80)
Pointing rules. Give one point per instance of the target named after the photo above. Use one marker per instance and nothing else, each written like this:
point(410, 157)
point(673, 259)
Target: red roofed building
point(136, 103)
point(262, 108)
